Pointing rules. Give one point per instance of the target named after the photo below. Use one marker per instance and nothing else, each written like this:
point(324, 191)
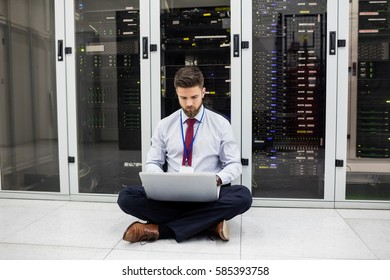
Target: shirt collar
point(197, 117)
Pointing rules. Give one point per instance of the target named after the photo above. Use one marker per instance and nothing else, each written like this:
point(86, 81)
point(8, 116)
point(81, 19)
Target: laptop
point(175, 186)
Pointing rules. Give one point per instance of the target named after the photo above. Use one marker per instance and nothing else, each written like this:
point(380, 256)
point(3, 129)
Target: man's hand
point(219, 181)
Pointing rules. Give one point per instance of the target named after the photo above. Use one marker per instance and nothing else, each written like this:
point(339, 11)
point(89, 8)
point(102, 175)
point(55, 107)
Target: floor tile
point(38, 252)
point(375, 233)
point(17, 214)
point(67, 226)
point(364, 214)
point(299, 234)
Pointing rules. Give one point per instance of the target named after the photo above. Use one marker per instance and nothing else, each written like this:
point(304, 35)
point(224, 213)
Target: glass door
point(105, 131)
point(293, 85)
point(368, 151)
point(32, 150)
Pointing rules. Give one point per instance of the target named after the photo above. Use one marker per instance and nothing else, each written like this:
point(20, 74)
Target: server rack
point(368, 168)
point(373, 68)
point(108, 96)
point(109, 87)
point(198, 36)
point(289, 94)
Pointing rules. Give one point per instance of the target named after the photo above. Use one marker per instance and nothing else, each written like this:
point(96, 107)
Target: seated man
point(208, 146)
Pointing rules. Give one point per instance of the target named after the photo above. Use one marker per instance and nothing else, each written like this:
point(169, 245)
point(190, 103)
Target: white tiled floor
point(37, 229)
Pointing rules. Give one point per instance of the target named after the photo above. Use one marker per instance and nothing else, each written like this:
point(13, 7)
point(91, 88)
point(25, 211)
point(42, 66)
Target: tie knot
point(191, 122)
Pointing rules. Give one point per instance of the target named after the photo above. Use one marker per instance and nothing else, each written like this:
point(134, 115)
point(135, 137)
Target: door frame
point(62, 108)
point(236, 72)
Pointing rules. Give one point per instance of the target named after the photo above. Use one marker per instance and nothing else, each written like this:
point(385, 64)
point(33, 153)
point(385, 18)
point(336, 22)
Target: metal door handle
point(236, 45)
point(332, 42)
point(60, 50)
point(145, 51)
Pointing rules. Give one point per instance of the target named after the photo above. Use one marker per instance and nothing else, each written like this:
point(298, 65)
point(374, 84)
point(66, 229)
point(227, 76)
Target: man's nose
point(189, 103)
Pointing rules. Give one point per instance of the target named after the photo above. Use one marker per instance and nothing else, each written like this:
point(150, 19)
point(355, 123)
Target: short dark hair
point(189, 76)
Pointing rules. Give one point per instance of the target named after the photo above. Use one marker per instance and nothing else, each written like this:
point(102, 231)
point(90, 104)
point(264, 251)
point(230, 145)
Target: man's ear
point(203, 92)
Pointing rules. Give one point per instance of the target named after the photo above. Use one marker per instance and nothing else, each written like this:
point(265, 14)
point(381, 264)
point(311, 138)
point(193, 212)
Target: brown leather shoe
point(221, 231)
point(139, 232)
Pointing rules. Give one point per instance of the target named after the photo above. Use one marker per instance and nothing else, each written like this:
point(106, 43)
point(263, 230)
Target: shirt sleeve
point(156, 156)
point(229, 156)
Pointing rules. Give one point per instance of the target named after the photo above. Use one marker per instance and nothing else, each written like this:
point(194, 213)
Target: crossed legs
point(185, 219)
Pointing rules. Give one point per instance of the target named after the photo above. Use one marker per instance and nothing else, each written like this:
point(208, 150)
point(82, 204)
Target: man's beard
point(191, 113)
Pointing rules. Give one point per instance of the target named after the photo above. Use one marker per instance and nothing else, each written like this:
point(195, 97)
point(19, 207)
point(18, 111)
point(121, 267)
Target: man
point(213, 149)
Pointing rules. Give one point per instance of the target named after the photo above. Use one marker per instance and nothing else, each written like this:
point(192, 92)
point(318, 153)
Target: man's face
point(190, 99)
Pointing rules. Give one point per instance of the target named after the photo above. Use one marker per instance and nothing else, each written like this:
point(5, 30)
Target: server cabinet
point(30, 138)
point(196, 35)
point(108, 95)
point(293, 85)
point(368, 164)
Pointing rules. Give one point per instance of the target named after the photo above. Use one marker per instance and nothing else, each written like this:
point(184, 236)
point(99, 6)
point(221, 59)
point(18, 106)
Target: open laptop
point(175, 186)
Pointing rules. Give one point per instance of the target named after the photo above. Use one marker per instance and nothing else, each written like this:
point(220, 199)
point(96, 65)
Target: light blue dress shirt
point(214, 148)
